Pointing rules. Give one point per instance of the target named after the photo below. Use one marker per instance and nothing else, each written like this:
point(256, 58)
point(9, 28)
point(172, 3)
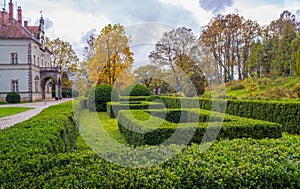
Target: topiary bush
point(100, 95)
point(13, 97)
point(136, 90)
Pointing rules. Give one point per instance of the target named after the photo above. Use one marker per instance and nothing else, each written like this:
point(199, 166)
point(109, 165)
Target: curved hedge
point(285, 113)
point(138, 131)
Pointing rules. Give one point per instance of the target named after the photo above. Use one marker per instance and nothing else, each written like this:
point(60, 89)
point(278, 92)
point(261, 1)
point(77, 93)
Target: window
point(34, 60)
point(15, 86)
point(38, 61)
point(14, 58)
point(36, 83)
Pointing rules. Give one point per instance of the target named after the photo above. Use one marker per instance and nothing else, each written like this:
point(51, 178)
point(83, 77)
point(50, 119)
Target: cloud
point(85, 36)
point(136, 11)
point(215, 6)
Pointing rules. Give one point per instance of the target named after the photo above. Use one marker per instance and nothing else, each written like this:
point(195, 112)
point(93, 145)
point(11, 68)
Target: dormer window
point(14, 58)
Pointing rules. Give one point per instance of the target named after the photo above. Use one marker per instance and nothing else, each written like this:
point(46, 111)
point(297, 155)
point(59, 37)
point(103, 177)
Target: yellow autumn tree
point(112, 56)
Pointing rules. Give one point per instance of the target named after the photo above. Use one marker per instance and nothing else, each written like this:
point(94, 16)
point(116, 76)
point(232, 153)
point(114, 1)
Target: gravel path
point(17, 118)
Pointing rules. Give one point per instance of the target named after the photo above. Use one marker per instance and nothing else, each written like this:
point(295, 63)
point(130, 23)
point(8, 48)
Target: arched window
point(38, 61)
point(34, 60)
point(36, 83)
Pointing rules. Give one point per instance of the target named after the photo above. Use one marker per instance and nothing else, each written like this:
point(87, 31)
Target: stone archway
point(55, 75)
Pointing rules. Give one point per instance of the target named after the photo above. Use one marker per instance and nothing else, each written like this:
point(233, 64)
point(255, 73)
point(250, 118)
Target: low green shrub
point(139, 131)
point(133, 98)
point(51, 131)
point(242, 163)
point(100, 95)
point(284, 113)
point(136, 90)
point(13, 97)
point(113, 108)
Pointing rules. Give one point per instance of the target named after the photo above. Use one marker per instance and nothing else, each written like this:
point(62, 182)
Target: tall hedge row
point(285, 113)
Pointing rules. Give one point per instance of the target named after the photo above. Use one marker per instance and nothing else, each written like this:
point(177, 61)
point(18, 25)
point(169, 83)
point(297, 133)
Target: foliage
point(175, 49)
point(285, 113)
point(139, 131)
point(228, 39)
point(113, 108)
point(70, 93)
point(7, 111)
point(65, 58)
point(242, 163)
point(13, 97)
point(101, 94)
point(297, 90)
point(111, 57)
point(251, 87)
point(278, 93)
point(133, 98)
point(136, 90)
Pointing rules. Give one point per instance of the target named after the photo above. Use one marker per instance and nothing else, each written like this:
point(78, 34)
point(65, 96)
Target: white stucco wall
point(20, 71)
point(16, 72)
point(14, 46)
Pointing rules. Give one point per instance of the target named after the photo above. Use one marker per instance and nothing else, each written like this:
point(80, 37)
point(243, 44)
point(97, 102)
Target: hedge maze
point(47, 151)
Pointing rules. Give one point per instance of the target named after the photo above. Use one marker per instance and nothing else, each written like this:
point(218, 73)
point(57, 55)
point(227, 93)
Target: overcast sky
point(145, 20)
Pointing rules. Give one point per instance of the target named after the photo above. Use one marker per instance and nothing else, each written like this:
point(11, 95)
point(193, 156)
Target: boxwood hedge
point(50, 132)
point(113, 108)
point(139, 131)
point(285, 113)
point(238, 163)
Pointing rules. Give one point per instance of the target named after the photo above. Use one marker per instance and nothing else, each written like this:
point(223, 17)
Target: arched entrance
point(51, 78)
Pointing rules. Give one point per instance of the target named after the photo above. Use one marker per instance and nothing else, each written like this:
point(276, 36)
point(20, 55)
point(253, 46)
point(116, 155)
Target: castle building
point(26, 64)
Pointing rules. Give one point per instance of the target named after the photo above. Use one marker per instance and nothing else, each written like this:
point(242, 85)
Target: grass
point(99, 131)
point(265, 85)
point(7, 111)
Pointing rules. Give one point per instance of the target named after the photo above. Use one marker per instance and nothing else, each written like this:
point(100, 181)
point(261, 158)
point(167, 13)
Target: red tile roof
point(14, 30)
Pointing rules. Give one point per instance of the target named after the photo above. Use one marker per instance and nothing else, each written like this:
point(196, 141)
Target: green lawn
point(98, 130)
point(7, 111)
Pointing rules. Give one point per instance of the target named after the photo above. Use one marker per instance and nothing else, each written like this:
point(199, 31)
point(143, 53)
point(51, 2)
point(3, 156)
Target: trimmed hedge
point(242, 163)
point(13, 97)
point(113, 108)
point(133, 98)
point(139, 132)
point(285, 113)
point(50, 132)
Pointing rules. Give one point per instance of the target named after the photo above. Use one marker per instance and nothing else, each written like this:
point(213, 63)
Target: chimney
point(19, 15)
point(11, 10)
point(25, 24)
point(4, 18)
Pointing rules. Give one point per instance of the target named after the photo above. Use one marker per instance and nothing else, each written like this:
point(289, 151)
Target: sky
point(145, 20)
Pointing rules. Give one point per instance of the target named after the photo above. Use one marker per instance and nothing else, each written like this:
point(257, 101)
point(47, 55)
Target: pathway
point(17, 118)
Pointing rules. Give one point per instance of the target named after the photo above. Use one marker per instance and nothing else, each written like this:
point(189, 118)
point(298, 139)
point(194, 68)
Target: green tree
point(65, 58)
